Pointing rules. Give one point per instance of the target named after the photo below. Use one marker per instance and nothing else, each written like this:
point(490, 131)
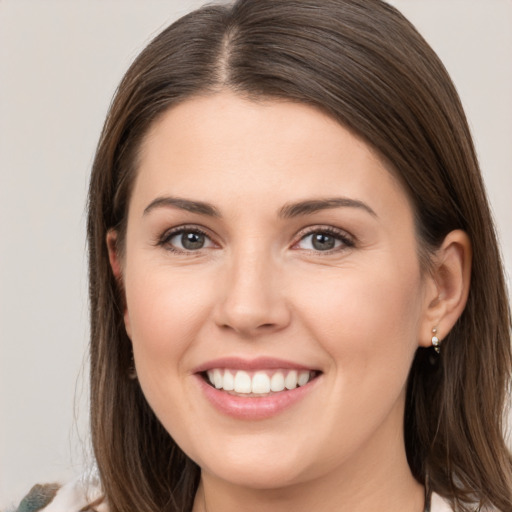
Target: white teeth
point(291, 380)
point(260, 382)
point(229, 381)
point(243, 382)
point(217, 378)
point(303, 378)
point(277, 382)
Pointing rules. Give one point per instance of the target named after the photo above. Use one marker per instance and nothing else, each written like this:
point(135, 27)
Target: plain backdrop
point(60, 62)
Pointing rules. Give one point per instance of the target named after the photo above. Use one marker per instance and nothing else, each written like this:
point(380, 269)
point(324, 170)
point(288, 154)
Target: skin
point(258, 287)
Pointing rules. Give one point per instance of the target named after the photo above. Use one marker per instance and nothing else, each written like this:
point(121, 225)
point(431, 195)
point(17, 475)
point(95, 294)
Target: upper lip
point(259, 363)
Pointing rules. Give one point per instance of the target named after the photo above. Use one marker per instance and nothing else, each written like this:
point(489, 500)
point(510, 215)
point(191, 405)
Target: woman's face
point(268, 248)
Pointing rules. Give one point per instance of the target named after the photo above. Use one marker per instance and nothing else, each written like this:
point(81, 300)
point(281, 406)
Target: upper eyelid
point(319, 228)
point(184, 228)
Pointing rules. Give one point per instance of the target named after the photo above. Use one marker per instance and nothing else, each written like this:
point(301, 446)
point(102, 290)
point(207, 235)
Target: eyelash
point(338, 235)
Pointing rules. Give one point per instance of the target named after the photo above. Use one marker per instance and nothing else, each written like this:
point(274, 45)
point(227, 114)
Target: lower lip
point(254, 408)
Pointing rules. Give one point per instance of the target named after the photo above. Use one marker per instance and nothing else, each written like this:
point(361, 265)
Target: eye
point(325, 240)
point(185, 239)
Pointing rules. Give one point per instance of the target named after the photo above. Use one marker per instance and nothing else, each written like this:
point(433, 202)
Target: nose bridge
point(253, 299)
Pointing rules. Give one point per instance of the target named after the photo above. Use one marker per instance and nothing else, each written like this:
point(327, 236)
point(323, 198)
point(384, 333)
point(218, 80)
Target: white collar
point(438, 504)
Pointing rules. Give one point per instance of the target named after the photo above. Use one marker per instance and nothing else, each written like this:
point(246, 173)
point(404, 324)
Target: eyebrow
point(315, 205)
point(288, 211)
point(199, 207)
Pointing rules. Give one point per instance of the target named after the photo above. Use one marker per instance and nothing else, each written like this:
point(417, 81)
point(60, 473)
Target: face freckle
point(265, 238)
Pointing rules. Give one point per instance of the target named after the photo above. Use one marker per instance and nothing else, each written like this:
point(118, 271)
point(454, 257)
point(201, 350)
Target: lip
point(253, 408)
point(260, 363)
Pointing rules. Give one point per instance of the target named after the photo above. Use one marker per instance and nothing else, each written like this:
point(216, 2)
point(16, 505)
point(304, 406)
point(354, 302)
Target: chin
point(257, 476)
point(258, 465)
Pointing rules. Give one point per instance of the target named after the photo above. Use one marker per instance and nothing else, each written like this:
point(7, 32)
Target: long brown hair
point(365, 65)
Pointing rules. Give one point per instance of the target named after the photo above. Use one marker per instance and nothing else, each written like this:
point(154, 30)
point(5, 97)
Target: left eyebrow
point(315, 205)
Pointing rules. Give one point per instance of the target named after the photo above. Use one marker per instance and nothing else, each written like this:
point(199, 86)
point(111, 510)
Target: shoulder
point(437, 504)
point(84, 493)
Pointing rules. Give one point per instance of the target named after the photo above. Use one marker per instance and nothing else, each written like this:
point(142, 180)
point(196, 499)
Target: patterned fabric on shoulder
point(38, 498)
point(81, 495)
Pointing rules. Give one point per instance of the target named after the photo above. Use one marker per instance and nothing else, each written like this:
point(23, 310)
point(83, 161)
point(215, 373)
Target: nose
point(252, 301)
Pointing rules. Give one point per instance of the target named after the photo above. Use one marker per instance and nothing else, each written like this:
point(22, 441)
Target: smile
point(259, 382)
point(255, 389)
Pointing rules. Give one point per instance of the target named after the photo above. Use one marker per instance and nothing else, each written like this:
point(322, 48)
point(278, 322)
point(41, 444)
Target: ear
point(447, 287)
point(114, 256)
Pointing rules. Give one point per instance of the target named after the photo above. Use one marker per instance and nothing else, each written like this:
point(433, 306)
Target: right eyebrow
point(199, 207)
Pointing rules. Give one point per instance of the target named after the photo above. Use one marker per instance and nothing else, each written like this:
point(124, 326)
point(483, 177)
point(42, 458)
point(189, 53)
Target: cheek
point(381, 298)
point(165, 311)
point(367, 324)
point(367, 319)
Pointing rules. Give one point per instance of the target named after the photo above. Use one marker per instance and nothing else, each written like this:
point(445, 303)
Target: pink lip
point(253, 408)
point(260, 363)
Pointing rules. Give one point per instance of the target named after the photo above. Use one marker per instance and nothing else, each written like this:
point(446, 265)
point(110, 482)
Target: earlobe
point(447, 288)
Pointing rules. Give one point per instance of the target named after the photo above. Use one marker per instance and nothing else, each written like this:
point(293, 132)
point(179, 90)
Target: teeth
point(303, 378)
point(277, 382)
point(217, 379)
point(290, 382)
point(229, 381)
point(243, 382)
point(260, 382)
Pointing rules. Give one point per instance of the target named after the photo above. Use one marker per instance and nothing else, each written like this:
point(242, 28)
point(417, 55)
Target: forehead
point(222, 146)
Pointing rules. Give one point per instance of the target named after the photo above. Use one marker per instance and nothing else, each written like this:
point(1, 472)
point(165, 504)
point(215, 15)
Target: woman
point(297, 300)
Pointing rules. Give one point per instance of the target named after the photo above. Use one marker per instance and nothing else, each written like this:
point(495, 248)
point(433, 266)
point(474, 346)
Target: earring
point(436, 342)
point(132, 372)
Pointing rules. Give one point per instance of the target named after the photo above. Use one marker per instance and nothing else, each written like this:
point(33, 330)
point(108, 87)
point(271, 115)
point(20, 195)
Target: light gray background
point(60, 63)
